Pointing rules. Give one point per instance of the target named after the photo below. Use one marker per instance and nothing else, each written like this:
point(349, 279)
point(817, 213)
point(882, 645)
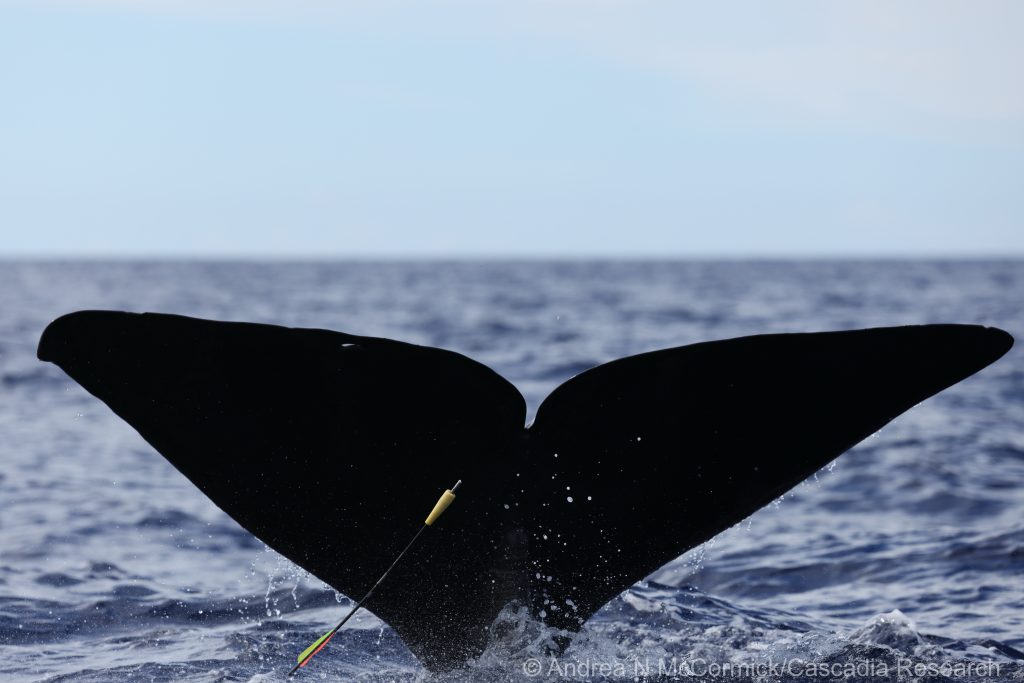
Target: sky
point(527, 128)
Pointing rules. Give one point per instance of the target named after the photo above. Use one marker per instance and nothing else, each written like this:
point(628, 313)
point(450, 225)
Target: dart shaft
point(442, 504)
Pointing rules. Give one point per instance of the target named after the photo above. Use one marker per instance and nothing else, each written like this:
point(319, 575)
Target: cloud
point(873, 60)
point(957, 60)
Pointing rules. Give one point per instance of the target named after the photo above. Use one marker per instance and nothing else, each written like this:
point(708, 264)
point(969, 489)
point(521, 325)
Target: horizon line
point(258, 257)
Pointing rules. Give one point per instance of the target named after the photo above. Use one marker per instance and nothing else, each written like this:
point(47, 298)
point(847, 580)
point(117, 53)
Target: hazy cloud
point(864, 58)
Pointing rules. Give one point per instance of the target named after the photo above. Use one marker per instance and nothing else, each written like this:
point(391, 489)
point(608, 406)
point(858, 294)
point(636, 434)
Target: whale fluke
point(625, 467)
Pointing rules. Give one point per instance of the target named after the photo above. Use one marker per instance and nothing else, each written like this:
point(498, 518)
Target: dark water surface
point(907, 551)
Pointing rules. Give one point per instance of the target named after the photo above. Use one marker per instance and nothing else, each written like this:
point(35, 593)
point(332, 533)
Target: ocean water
point(901, 561)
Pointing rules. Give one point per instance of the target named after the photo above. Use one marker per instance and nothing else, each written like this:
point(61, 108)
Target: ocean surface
point(903, 560)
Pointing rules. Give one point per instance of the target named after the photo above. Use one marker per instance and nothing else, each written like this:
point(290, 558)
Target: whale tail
point(626, 466)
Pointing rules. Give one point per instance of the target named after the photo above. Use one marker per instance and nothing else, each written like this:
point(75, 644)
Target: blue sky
point(342, 128)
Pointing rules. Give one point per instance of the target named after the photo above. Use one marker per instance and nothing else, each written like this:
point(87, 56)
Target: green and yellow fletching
point(312, 648)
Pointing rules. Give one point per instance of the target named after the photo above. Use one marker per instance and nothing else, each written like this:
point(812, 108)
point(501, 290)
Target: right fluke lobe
point(661, 451)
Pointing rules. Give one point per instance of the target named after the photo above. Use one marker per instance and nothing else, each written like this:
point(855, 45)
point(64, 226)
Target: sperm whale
point(626, 466)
